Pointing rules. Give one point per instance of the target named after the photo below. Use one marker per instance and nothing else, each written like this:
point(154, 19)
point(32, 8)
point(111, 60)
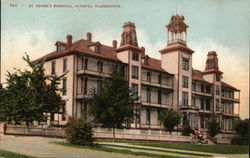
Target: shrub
point(79, 132)
point(186, 127)
point(239, 141)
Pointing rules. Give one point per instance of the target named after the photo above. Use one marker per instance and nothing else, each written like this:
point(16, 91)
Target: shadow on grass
point(7, 154)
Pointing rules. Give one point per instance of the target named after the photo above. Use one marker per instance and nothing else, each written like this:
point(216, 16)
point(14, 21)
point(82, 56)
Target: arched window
point(124, 40)
point(133, 38)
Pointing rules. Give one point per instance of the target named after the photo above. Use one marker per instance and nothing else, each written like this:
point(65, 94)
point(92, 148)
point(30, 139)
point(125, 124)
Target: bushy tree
point(30, 94)
point(79, 131)
point(186, 127)
point(213, 126)
point(241, 128)
point(170, 118)
point(112, 103)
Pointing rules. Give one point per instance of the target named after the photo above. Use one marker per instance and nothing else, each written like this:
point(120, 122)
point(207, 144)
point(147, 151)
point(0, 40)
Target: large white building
point(160, 84)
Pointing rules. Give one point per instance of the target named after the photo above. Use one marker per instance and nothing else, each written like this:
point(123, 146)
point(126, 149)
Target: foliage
point(241, 128)
point(30, 94)
point(79, 132)
point(186, 127)
point(9, 154)
point(170, 119)
point(213, 126)
point(2, 102)
point(112, 103)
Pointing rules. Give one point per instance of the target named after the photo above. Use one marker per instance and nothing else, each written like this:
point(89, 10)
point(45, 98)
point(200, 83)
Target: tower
point(176, 58)
point(130, 53)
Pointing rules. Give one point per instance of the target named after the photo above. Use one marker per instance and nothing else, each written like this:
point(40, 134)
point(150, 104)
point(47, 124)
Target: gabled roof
point(154, 64)
point(197, 76)
point(223, 84)
point(81, 47)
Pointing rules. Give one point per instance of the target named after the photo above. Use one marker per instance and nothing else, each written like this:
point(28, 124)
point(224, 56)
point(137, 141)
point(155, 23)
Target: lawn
point(121, 151)
point(7, 154)
point(220, 149)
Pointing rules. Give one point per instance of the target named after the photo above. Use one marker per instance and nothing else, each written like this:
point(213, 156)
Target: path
point(40, 147)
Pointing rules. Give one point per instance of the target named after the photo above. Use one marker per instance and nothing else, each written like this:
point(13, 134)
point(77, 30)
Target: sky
point(214, 25)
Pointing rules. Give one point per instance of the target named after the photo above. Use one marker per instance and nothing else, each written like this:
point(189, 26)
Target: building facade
point(168, 83)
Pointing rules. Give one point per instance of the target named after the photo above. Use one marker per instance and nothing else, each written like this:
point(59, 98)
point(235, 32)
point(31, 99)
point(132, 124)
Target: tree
point(30, 94)
point(241, 128)
point(186, 127)
point(213, 126)
point(170, 118)
point(112, 103)
point(2, 102)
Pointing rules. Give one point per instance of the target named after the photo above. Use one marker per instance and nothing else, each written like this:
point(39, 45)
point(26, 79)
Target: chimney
point(69, 41)
point(89, 36)
point(143, 51)
point(115, 44)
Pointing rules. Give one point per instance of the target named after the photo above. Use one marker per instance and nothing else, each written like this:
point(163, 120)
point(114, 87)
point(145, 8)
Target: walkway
point(40, 147)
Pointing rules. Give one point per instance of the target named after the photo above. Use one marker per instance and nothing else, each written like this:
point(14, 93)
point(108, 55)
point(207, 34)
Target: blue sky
point(220, 25)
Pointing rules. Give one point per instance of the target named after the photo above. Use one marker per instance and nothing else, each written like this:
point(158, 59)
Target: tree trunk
point(113, 134)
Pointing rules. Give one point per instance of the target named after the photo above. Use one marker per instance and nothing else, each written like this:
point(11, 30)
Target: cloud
point(15, 44)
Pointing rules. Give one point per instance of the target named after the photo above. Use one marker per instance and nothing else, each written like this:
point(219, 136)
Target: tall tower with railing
point(176, 58)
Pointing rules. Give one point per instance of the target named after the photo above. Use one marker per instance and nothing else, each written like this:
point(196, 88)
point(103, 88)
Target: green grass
point(7, 154)
point(174, 152)
point(121, 151)
point(219, 149)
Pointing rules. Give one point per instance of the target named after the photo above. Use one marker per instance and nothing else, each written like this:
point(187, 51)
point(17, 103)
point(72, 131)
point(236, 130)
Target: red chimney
point(89, 36)
point(115, 44)
point(69, 41)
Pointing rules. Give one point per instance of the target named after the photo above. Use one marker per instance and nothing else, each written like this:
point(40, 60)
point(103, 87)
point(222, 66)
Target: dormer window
point(145, 61)
point(97, 49)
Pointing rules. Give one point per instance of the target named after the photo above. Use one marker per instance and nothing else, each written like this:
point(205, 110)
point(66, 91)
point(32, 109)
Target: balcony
point(202, 93)
point(94, 73)
point(152, 104)
point(154, 84)
point(230, 99)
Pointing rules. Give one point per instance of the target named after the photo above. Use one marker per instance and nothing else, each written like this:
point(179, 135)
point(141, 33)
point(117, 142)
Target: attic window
point(146, 61)
point(60, 48)
point(97, 49)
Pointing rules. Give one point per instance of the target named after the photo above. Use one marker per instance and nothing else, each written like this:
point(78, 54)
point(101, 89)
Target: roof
point(154, 64)
point(223, 84)
point(81, 47)
point(197, 76)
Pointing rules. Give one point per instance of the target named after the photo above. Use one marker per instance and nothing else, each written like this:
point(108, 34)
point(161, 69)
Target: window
point(97, 49)
point(202, 104)
point(208, 89)
point(53, 67)
point(148, 116)
point(184, 82)
point(193, 86)
point(135, 91)
point(202, 88)
point(137, 115)
point(146, 61)
point(159, 78)
point(133, 38)
point(159, 96)
point(185, 98)
point(135, 72)
point(217, 90)
point(85, 85)
point(209, 65)
point(158, 117)
point(124, 40)
point(135, 56)
point(100, 66)
point(217, 77)
point(82, 64)
point(65, 64)
point(217, 105)
point(230, 108)
point(148, 76)
point(64, 86)
point(86, 64)
point(148, 95)
point(193, 101)
point(222, 106)
point(52, 116)
point(208, 104)
point(185, 64)
point(82, 85)
point(192, 120)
